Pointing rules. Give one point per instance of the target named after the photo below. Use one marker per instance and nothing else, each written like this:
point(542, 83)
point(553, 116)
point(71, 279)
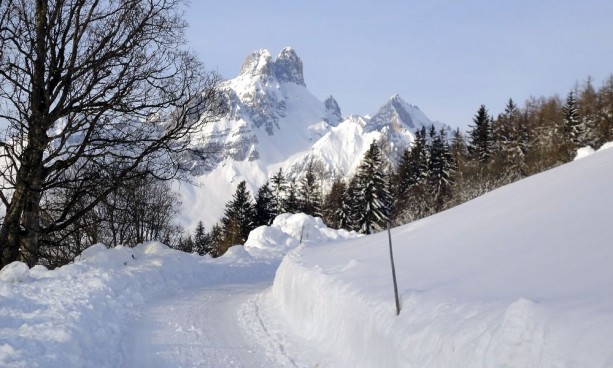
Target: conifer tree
point(420, 155)
point(345, 214)
point(411, 177)
point(238, 218)
point(333, 204)
point(573, 130)
point(308, 194)
point(481, 144)
point(510, 132)
point(440, 179)
point(279, 188)
point(264, 206)
point(413, 165)
point(402, 175)
point(202, 240)
point(216, 236)
point(186, 245)
point(603, 130)
point(587, 104)
point(291, 203)
point(459, 156)
point(372, 197)
point(459, 151)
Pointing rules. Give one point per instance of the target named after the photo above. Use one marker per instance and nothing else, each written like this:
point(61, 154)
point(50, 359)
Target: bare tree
point(95, 93)
point(141, 210)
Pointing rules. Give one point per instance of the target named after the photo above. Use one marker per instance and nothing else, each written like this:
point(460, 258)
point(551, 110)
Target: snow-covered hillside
point(275, 122)
point(520, 277)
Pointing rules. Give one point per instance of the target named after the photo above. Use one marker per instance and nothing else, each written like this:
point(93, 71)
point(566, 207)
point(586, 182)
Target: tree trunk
point(19, 235)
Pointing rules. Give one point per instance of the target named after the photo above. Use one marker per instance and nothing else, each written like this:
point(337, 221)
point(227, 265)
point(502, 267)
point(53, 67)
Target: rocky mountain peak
point(399, 113)
point(288, 67)
point(333, 110)
point(257, 63)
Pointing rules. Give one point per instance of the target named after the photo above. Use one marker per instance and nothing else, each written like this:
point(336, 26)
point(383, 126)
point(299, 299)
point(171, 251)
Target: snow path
point(214, 324)
point(196, 328)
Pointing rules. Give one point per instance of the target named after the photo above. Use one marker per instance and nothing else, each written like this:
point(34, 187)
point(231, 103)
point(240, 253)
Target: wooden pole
point(389, 235)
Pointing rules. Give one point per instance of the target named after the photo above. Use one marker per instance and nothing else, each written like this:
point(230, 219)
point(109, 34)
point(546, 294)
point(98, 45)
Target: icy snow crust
point(520, 277)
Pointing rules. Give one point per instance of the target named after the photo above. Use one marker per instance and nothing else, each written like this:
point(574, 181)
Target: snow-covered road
point(196, 328)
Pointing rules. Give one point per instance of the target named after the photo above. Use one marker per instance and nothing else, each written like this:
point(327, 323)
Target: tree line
point(439, 170)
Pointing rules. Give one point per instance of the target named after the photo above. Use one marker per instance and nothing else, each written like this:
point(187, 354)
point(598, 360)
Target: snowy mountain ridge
point(274, 121)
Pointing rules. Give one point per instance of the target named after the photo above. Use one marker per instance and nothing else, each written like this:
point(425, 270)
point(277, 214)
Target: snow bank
point(606, 146)
point(287, 232)
point(587, 151)
point(584, 152)
point(76, 315)
point(520, 277)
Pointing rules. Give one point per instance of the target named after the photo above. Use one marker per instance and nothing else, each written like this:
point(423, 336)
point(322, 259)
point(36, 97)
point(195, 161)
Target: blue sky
point(447, 57)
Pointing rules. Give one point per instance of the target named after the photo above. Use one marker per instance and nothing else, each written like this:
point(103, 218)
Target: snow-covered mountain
point(274, 121)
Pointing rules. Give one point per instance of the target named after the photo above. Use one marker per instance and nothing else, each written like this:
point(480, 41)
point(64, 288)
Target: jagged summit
point(286, 68)
point(257, 63)
point(397, 112)
point(334, 111)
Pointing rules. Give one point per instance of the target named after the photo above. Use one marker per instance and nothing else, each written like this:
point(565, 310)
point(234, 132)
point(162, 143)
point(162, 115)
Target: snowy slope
point(520, 277)
point(275, 122)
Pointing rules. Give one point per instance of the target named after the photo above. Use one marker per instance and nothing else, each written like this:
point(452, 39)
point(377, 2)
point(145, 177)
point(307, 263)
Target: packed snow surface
point(520, 277)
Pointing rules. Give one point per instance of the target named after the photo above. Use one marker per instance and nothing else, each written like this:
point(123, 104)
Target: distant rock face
point(257, 63)
point(397, 113)
point(288, 67)
point(334, 111)
point(268, 98)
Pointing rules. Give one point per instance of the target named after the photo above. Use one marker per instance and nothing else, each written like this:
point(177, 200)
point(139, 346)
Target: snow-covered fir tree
point(202, 240)
point(279, 188)
point(372, 199)
point(345, 213)
point(238, 217)
point(511, 143)
point(333, 204)
point(441, 170)
point(309, 196)
point(411, 174)
point(481, 143)
point(216, 236)
point(265, 210)
point(291, 203)
point(572, 127)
